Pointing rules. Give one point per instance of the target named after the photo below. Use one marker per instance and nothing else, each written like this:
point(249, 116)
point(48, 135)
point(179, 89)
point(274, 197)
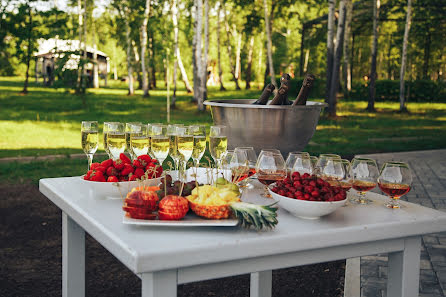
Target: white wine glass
point(89, 139)
point(140, 142)
point(116, 140)
point(364, 173)
point(131, 128)
point(395, 180)
point(160, 142)
point(185, 147)
point(150, 133)
point(218, 143)
point(106, 128)
point(173, 147)
point(199, 133)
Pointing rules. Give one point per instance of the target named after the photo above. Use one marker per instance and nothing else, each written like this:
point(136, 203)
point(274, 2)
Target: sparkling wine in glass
point(140, 142)
point(160, 142)
point(199, 133)
point(185, 147)
point(218, 143)
point(131, 128)
point(89, 140)
point(364, 173)
point(116, 143)
point(395, 180)
point(270, 168)
point(173, 146)
point(107, 126)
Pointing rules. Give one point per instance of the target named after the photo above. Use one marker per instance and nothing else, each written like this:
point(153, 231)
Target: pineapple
point(257, 216)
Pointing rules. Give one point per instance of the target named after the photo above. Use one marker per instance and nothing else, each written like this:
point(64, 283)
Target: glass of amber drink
point(395, 180)
point(364, 172)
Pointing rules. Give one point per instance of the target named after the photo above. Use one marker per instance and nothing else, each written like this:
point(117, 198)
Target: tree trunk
point(427, 53)
point(269, 45)
point(302, 46)
point(204, 69)
point(152, 80)
point(197, 71)
point(143, 38)
point(347, 76)
point(95, 58)
point(84, 72)
point(124, 15)
point(229, 48)
point(28, 50)
point(220, 72)
point(352, 60)
point(330, 46)
point(237, 52)
point(334, 85)
point(372, 90)
point(183, 72)
point(404, 54)
point(249, 66)
point(175, 53)
point(79, 69)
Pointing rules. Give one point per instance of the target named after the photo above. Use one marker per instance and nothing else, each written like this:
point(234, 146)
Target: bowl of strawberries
point(115, 178)
point(307, 196)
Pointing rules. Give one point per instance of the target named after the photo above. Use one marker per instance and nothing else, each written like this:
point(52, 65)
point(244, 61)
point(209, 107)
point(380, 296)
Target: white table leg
point(404, 270)
point(161, 283)
point(261, 284)
point(73, 258)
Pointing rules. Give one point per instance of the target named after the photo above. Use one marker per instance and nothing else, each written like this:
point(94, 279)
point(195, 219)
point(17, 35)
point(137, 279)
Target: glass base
point(360, 201)
point(393, 203)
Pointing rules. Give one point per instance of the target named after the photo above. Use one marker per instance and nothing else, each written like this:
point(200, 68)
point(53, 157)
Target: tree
point(124, 12)
point(330, 46)
point(220, 72)
point(204, 69)
point(334, 85)
point(347, 75)
point(373, 74)
point(229, 49)
point(197, 50)
point(269, 44)
point(404, 54)
point(175, 41)
point(143, 38)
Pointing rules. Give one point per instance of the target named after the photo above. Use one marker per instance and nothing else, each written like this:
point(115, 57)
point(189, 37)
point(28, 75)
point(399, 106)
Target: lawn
point(47, 121)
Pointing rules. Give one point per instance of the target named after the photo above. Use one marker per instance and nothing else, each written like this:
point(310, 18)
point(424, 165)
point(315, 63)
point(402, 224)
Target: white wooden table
point(164, 257)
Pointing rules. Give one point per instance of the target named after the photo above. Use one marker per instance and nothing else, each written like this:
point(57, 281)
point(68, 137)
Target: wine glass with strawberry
point(395, 180)
point(364, 173)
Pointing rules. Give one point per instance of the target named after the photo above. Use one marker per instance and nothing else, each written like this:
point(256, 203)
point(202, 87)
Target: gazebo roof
point(52, 45)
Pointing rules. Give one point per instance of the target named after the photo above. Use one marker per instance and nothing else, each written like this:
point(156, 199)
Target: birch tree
point(220, 72)
point(334, 85)
point(143, 38)
point(330, 46)
point(373, 74)
point(197, 49)
point(95, 56)
point(80, 23)
point(347, 75)
point(205, 57)
point(404, 54)
point(124, 13)
point(175, 53)
point(249, 64)
point(269, 44)
point(229, 48)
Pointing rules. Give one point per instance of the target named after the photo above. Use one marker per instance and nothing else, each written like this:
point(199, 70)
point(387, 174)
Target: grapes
point(174, 187)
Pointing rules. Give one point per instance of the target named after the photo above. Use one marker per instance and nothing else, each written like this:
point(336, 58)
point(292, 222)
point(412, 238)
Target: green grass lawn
point(47, 121)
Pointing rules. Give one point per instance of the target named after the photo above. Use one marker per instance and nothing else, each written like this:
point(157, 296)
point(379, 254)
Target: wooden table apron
point(183, 255)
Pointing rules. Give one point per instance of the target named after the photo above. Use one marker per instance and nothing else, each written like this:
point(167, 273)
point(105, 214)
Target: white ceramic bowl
point(115, 190)
point(306, 209)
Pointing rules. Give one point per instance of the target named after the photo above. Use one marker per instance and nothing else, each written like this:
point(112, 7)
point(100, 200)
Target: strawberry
point(123, 178)
point(112, 179)
point(94, 166)
point(145, 158)
point(87, 176)
point(127, 169)
point(159, 171)
point(101, 169)
point(112, 171)
point(139, 163)
point(139, 172)
point(97, 176)
point(125, 159)
point(118, 164)
point(132, 177)
point(107, 163)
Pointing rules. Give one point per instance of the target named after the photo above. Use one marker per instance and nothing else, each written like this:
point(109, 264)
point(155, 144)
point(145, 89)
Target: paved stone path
point(428, 189)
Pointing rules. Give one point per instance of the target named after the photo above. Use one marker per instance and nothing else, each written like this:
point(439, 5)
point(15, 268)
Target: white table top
point(153, 248)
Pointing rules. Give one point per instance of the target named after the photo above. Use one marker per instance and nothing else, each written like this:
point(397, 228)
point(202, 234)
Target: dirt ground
point(31, 260)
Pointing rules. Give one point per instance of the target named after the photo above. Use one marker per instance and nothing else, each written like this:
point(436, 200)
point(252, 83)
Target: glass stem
point(90, 160)
point(362, 197)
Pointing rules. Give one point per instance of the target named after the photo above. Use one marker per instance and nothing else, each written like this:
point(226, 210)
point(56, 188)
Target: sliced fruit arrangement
point(123, 169)
point(173, 207)
point(308, 187)
point(141, 203)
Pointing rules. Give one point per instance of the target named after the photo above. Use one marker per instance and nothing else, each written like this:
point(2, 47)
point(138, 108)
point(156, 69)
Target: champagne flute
point(270, 168)
point(173, 147)
point(185, 146)
point(364, 173)
point(199, 133)
point(140, 142)
point(333, 171)
point(107, 127)
point(395, 180)
point(218, 143)
point(160, 142)
point(150, 133)
point(322, 161)
point(89, 131)
point(131, 128)
point(299, 162)
point(252, 160)
point(239, 166)
point(116, 140)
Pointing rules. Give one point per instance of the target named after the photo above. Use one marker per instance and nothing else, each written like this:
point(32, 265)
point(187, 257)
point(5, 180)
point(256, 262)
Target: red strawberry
point(94, 166)
point(145, 158)
point(97, 176)
point(133, 177)
point(101, 169)
point(159, 171)
point(123, 178)
point(107, 163)
point(138, 163)
point(112, 179)
point(139, 172)
point(125, 159)
point(118, 164)
point(112, 171)
point(87, 176)
point(127, 169)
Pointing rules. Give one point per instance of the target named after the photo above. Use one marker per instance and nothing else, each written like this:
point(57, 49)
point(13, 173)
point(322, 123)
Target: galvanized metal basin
point(287, 128)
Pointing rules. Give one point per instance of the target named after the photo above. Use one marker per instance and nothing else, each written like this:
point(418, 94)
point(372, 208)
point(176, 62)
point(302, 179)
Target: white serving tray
point(190, 220)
